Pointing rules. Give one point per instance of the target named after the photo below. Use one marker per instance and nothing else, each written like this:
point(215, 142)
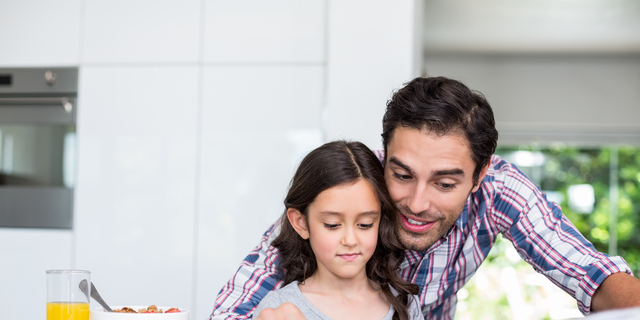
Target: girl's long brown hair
point(332, 164)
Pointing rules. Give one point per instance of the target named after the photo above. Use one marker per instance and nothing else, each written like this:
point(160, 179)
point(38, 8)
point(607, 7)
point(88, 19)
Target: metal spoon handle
point(96, 296)
point(83, 288)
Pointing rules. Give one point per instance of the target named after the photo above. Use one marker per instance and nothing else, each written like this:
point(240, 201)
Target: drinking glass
point(65, 301)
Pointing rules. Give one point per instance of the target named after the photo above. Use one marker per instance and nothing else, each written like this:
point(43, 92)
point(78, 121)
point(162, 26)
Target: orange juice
point(67, 311)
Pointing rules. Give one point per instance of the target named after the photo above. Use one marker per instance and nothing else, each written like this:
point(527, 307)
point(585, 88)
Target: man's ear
point(298, 222)
point(483, 173)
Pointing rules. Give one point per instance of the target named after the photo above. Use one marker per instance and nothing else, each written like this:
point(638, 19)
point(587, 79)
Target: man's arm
point(547, 240)
point(256, 277)
point(619, 290)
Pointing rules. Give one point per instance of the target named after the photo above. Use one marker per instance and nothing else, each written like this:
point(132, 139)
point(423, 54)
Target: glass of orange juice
point(65, 300)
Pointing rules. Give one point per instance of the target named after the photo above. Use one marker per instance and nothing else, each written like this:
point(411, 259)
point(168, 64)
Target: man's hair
point(443, 106)
point(334, 164)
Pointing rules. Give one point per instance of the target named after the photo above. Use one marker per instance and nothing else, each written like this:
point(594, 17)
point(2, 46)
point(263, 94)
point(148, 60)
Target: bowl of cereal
point(140, 313)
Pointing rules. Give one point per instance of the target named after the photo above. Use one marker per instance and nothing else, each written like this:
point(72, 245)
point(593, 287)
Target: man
point(453, 198)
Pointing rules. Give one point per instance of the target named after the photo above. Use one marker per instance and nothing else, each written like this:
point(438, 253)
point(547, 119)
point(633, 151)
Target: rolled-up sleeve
point(255, 278)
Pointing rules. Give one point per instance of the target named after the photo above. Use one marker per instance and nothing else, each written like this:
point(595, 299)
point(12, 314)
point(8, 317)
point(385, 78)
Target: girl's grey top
point(291, 293)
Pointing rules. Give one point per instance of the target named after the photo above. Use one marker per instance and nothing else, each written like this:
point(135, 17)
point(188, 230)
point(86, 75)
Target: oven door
point(37, 161)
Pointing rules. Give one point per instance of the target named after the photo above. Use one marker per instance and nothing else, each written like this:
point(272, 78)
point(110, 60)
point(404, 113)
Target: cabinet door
point(36, 33)
point(135, 31)
point(257, 123)
point(135, 194)
point(371, 53)
point(264, 31)
point(25, 255)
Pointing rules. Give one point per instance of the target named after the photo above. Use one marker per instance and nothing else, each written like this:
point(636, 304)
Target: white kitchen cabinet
point(256, 31)
point(135, 195)
point(257, 124)
point(25, 255)
point(39, 33)
point(135, 31)
point(371, 54)
point(192, 117)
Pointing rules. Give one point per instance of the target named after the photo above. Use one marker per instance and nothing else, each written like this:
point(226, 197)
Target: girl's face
point(342, 229)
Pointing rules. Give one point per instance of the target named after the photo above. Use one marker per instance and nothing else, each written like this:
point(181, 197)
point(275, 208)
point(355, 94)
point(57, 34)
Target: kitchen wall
point(192, 117)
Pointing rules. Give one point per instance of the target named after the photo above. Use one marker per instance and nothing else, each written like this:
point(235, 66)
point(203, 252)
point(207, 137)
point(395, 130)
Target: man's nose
point(419, 199)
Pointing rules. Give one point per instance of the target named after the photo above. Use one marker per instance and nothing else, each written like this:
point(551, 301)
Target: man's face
point(429, 179)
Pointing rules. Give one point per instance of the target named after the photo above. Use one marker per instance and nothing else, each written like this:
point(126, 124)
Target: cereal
point(151, 309)
point(125, 310)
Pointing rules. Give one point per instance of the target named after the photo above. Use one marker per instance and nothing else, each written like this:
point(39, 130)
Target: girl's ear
point(298, 222)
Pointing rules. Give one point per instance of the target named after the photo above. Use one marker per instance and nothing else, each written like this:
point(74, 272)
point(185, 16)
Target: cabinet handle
point(66, 103)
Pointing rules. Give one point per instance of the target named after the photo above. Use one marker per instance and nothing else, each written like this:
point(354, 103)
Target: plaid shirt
point(508, 203)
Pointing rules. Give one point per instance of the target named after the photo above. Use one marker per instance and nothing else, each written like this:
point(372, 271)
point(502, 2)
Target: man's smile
point(415, 222)
point(415, 226)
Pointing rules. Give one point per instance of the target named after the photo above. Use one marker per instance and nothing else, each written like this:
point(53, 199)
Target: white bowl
point(100, 314)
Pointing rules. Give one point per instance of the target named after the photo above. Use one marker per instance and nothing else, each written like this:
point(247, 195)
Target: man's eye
point(365, 226)
point(446, 186)
point(331, 226)
point(402, 177)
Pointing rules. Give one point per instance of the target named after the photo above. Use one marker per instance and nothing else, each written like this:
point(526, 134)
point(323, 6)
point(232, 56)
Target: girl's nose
point(349, 238)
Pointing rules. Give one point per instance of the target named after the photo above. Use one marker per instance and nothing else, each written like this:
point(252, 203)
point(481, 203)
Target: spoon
point(94, 294)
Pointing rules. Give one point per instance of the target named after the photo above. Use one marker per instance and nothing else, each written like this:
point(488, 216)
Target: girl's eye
point(365, 226)
point(331, 226)
point(402, 177)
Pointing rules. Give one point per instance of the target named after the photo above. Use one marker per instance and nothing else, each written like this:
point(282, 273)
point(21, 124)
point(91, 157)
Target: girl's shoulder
point(276, 297)
point(290, 293)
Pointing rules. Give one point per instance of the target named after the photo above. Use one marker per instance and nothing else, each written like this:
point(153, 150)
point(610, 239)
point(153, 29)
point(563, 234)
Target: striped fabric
point(508, 203)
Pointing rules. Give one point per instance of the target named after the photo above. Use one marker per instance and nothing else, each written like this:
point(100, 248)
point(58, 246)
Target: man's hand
point(617, 291)
point(284, 311)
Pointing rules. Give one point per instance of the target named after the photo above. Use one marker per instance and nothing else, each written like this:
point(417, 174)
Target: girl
point(338, 251)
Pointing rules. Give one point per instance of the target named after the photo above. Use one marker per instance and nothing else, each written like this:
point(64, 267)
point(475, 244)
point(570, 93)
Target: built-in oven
point(37, 146)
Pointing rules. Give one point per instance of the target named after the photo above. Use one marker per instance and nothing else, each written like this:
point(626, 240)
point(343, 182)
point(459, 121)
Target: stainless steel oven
point(37, 146)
